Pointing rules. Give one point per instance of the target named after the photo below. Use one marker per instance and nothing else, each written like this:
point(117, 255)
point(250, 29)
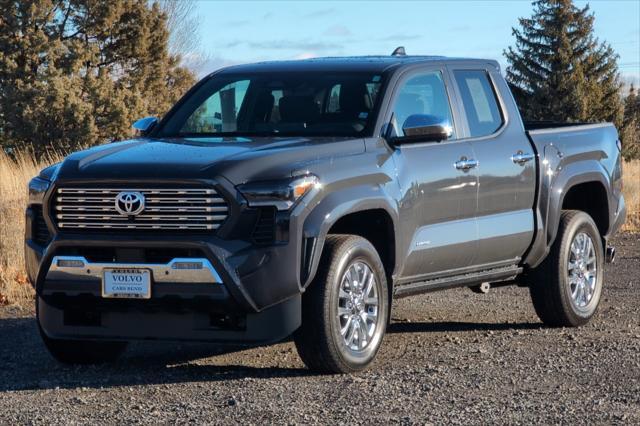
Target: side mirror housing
point(144, 125)
point(425, 128)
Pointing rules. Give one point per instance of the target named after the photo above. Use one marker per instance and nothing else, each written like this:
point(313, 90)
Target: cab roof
point(374, 64)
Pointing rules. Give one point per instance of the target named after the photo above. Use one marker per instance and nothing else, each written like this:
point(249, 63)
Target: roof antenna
point(399, 51)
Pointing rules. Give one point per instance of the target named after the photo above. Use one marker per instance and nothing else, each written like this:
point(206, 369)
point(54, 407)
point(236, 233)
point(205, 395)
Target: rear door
point(506, 166)
point(438, 202)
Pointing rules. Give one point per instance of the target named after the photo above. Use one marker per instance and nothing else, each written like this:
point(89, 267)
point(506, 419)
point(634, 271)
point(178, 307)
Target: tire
point(565, 291)
point(81, 351)
point(336, 335)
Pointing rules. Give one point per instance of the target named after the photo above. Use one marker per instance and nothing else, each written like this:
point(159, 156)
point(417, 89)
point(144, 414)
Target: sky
point(235, 32)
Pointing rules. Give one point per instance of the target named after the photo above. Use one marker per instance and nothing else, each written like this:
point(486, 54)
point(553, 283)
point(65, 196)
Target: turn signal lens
point(302, 186)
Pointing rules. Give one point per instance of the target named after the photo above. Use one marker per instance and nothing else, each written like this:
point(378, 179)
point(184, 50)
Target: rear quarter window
point(479, 102)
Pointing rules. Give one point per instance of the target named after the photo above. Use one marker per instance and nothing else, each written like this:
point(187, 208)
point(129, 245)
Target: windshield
point(283, 104)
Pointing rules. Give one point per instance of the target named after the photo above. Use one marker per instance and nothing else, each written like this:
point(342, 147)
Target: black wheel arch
point(566, 190)
point(365, 211)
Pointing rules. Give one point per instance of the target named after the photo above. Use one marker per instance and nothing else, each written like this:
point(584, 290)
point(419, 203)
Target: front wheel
point(345, 309)
point(567, 286)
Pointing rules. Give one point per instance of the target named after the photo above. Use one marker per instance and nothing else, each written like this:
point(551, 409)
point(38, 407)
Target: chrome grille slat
point(148, 200)
point(140, 217)
point(158, 209)
point(115, 191)
point(126, 225)
point(198, 209)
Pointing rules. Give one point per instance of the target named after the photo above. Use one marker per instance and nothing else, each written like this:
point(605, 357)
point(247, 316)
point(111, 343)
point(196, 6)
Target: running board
point(466, 280)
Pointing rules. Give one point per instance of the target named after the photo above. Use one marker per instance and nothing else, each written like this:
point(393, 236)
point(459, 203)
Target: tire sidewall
point(360, 251)
point(581, 223)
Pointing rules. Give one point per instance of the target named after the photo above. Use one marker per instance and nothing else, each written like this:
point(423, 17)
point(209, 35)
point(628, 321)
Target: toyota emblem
point(130, 203)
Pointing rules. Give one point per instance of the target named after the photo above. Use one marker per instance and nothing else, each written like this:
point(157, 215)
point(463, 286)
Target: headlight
point(39, 184)
point(49, 173)
point(281, 194)
point(37, 189)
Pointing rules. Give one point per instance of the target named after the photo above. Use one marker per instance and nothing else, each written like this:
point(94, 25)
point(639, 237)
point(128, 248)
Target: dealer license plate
point(126, 283)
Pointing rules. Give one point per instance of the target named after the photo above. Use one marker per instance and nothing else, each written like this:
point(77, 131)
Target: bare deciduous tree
point(183, 25)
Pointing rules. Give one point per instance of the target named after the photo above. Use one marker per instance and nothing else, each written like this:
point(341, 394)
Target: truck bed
point(568, 154)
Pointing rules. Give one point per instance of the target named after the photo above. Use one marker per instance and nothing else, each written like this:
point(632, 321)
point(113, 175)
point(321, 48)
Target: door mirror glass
point(144, 125)
point(426, 128)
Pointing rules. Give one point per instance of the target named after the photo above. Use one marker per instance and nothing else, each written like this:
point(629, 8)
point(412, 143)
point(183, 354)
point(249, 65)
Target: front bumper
point(74, 269)
point(243, 293)
point(92, 318)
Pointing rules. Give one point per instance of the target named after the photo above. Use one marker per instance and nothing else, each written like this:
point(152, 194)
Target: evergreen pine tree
point(630, 133)
point(79, 72)
point(558, 70)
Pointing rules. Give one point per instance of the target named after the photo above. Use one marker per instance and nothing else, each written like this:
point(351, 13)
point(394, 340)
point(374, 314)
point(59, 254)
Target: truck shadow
point(400, 326)
point(26, 365)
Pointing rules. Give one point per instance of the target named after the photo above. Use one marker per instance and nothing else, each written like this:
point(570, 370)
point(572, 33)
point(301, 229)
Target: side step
point(491, 275)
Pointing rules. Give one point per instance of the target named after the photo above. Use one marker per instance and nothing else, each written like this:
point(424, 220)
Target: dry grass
point(16, 173)
point(14, 176)
point(631, 175)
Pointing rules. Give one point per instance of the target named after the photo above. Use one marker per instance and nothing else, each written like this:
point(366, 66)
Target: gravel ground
point(453, 356)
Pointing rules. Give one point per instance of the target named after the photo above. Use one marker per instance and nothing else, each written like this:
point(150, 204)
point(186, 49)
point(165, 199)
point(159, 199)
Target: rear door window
point(479, 101)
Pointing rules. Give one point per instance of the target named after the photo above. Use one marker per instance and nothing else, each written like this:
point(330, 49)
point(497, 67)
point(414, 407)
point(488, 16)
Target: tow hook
point(610, 255)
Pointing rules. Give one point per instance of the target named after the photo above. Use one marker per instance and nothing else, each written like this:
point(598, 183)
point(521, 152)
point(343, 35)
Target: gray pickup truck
point(302, 197)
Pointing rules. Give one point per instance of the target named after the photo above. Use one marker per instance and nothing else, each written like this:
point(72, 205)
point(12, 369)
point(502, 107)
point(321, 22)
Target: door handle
point(521, 158)
point(465, 164)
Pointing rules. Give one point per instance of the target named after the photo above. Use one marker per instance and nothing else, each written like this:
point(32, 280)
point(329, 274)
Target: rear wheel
point(80, 351)
point(566, 288)
point(345, 309)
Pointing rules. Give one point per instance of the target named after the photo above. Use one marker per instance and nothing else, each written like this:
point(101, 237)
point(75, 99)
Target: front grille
point(190, 209)
point(39, 231)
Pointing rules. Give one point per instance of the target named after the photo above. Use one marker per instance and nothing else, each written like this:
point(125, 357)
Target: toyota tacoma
point(303, 197)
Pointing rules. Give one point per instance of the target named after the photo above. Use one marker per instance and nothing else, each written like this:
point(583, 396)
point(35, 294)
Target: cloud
point(304, 45)
point(305, 55)
point(337, 31)
point(233, 43)
point(214, 63)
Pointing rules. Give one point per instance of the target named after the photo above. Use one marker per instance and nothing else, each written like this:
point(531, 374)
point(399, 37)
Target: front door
point(438, 203)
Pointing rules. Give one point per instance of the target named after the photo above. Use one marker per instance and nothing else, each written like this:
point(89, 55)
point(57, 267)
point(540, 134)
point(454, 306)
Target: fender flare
point(338, 204)
point(552, 193)
point(585, 173)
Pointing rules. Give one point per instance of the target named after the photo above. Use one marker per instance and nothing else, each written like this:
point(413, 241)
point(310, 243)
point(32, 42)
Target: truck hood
point(237, 159)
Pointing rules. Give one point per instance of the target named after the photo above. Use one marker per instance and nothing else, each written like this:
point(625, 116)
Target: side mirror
point(425, 128)
point(144, 125)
